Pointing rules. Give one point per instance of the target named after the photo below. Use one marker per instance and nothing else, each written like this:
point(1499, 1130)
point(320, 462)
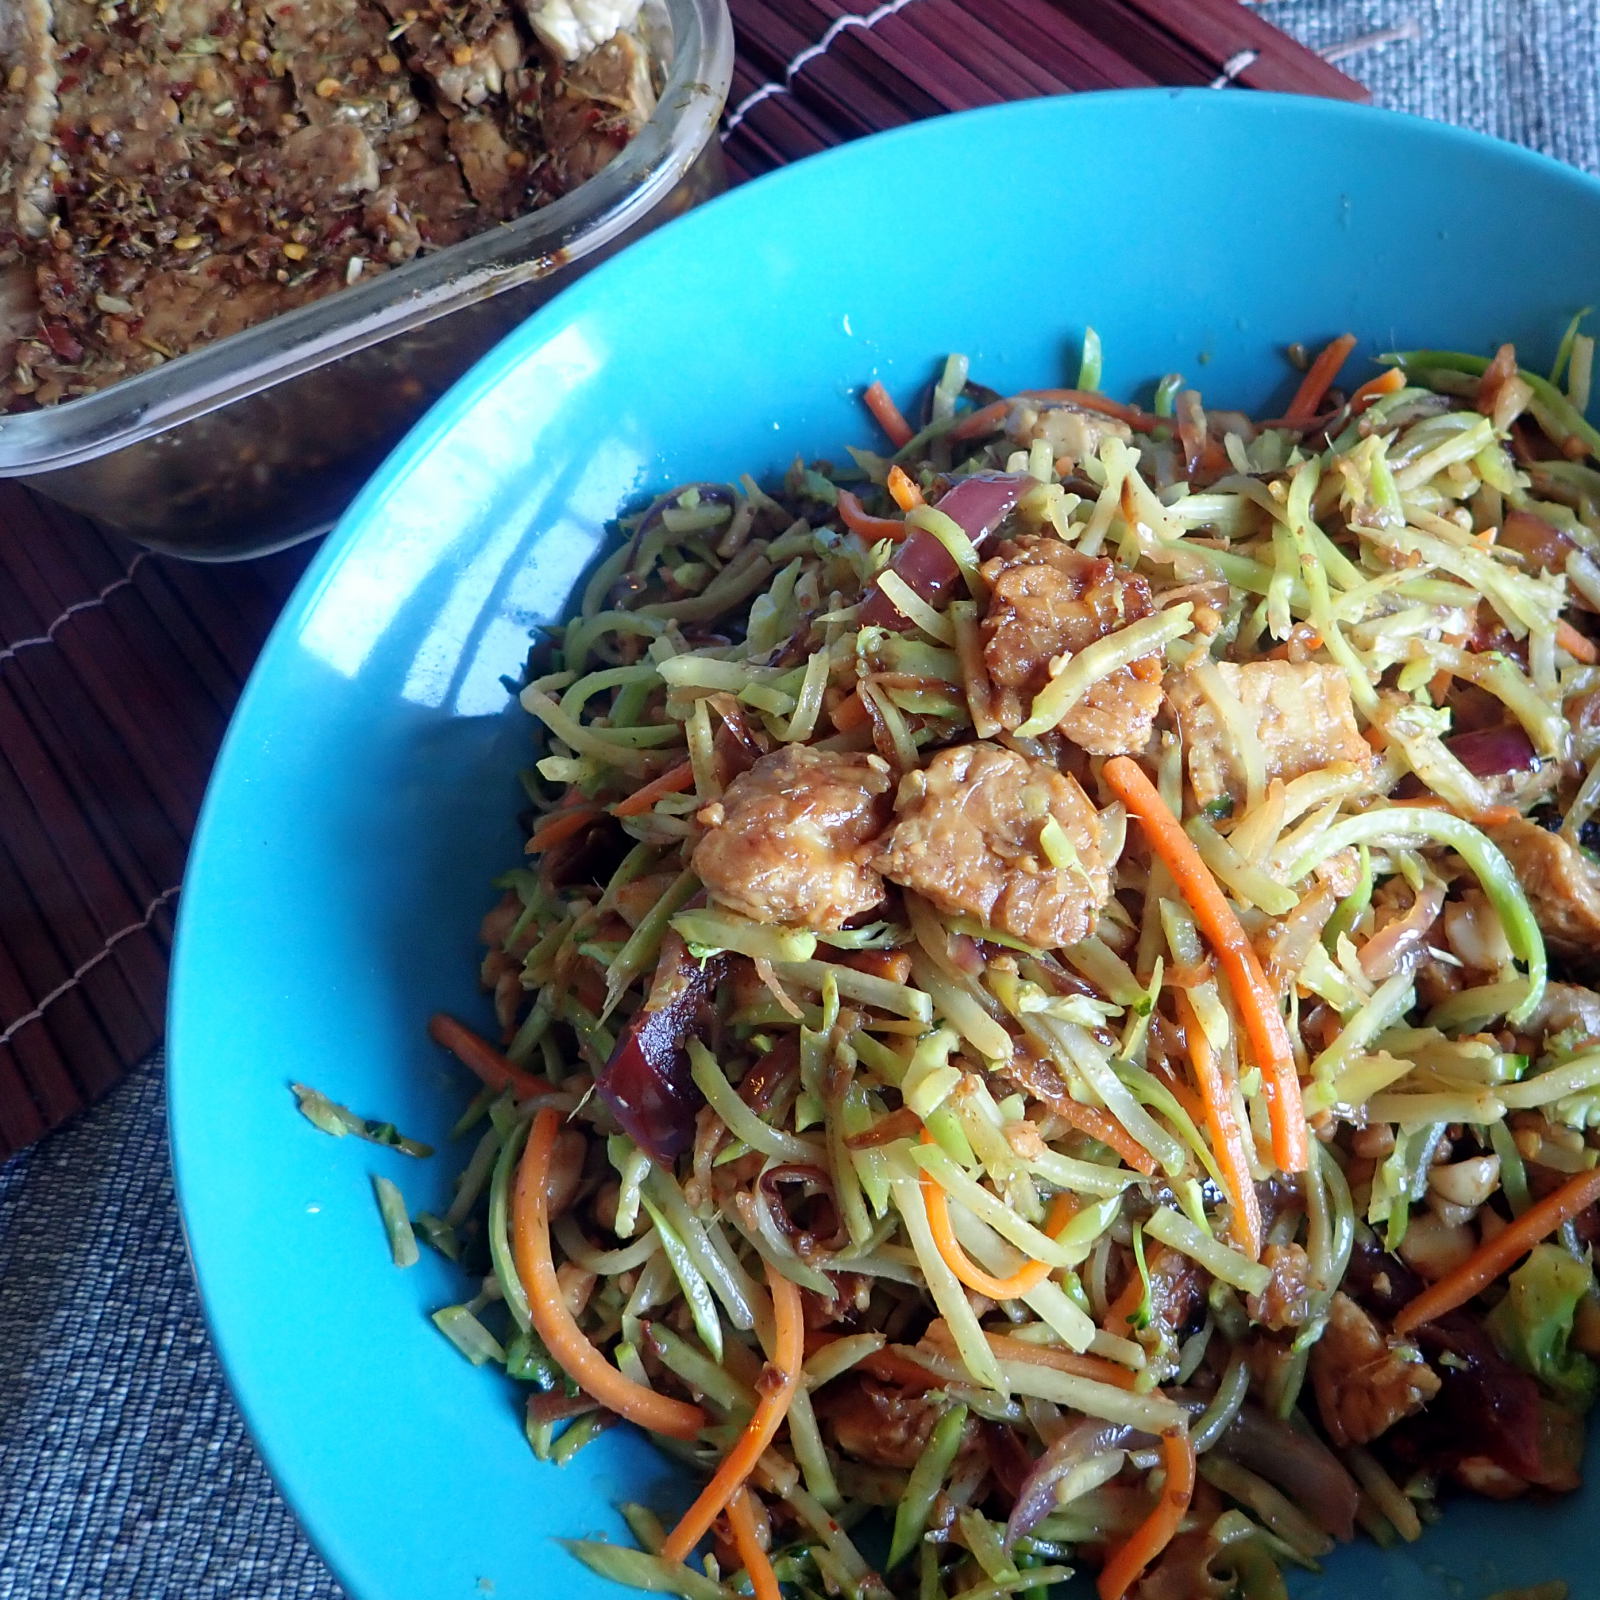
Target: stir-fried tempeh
point(1029, 1007)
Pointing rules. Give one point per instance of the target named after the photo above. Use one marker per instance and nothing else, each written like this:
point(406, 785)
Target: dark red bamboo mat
point(814, 73)
point(118, 669)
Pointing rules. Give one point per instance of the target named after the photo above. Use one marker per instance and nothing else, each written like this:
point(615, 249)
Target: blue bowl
point(366, 793)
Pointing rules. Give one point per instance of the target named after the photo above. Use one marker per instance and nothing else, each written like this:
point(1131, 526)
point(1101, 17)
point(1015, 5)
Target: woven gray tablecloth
point(125, 1472)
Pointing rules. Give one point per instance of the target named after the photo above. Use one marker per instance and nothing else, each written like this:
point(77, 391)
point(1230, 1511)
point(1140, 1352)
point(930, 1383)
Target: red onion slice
point(979, 504)
point(1303, 1467)
point(1036, 1499)
point(1403, 942)
point(1493, 752)
point(647, 1082)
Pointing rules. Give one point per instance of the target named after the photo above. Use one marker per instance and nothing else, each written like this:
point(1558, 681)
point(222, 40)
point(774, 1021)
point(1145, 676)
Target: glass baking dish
point(260, 439)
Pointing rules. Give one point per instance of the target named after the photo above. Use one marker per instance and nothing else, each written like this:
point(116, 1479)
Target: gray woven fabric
point(125, 1472)
point(1524, 70)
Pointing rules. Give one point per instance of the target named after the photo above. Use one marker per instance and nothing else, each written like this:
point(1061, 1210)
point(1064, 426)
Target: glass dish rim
point(424, 289)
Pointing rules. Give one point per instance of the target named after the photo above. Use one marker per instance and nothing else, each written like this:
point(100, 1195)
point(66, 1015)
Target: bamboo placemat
point(814, 73)
point(118, 668)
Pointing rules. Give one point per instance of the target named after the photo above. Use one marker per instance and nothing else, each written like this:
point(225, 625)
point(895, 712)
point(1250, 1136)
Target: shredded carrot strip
point(1103, 1126)
point(850, 713)
point(1373, 389)
point(904, 489)
point(1496, 816)
point(1577, 645)
point(673, 781)
point(1495, 1255)
point(1258, 1006)
point(901, 1123)
point(1178, 1089)
point(1214, 457)
point(1119, 1314)
point(788, 1352)
point(965, 1268)
point(1227, 1137)
point(887, 414)
point(1096, 1368)
point(894, 965)
point(986, 419)
point(560, 826)
point(864, 525)
point(818, 1339)
point(747, 1541)
point(1155, 1533)
point(1089, 400)
point(1319, 379)
point(565, 1340)
point(1439, 683)
point(1287, 650)
point(1488, 817)
point(1390, 382)
point(481, 1058)
point(889, 1366)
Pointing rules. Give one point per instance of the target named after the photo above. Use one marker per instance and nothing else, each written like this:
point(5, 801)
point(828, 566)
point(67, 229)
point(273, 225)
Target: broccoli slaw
point(1043, 1024)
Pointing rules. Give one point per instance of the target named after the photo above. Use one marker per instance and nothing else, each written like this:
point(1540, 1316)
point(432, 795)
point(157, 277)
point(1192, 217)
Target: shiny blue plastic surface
point(367, 792)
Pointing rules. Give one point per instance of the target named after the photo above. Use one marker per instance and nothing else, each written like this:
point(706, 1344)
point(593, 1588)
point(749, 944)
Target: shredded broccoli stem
point(396, 1223)
point(927, 1479)
point(988, 1146)
point(1560, 417)
point(1491, 868)
point(696, 1291)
